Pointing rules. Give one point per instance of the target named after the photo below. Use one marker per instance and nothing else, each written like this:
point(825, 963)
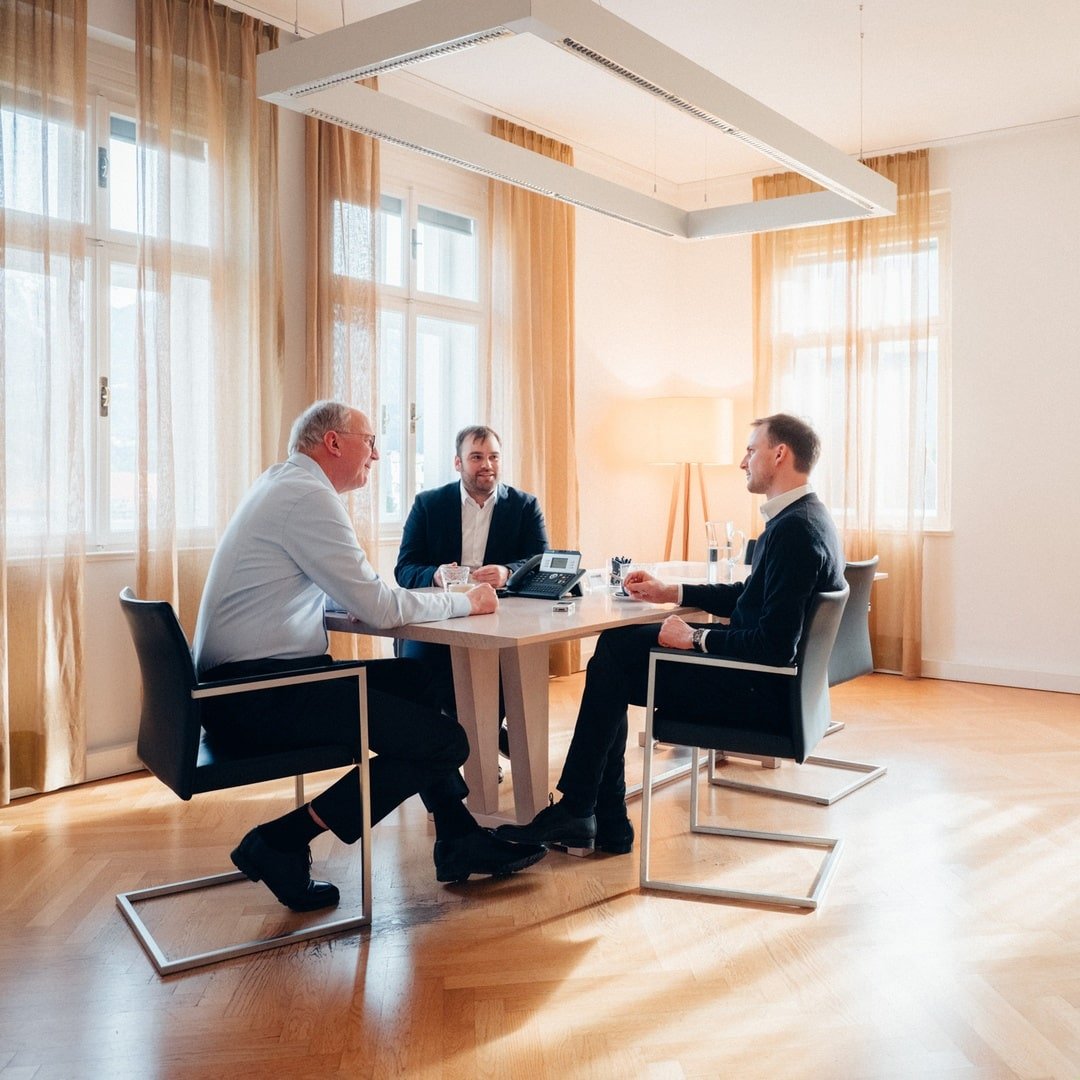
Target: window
point(37, 296)
point(109, 300)
point(810, 308)
point(118, 207)
point(431, 333)
point(114, 449)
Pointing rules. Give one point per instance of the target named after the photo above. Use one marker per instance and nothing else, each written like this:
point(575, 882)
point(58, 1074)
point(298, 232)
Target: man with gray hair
point(289, 546)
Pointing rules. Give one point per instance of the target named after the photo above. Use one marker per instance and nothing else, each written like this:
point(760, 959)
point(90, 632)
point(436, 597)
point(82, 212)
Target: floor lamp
point(688, 432)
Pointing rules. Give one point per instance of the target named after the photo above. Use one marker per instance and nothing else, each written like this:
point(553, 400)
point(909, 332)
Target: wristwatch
point(697, 641)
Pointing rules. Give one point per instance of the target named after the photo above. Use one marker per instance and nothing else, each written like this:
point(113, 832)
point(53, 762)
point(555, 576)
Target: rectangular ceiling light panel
point(318, 77)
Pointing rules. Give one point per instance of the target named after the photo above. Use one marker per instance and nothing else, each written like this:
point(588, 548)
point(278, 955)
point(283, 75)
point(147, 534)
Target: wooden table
point(514, 641)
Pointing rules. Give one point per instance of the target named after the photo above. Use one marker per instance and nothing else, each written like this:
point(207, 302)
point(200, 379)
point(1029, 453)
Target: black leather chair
point(173, 747)
point(850, 658)
point(851, 655)
point(807, 715)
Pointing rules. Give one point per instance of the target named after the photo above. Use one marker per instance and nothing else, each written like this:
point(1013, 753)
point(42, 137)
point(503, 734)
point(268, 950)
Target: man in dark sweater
point(798, 555)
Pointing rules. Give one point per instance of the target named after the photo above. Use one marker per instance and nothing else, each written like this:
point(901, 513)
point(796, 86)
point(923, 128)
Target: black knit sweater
point(798, 555)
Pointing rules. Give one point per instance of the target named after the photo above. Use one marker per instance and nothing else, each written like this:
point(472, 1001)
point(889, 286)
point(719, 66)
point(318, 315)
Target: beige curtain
point(531, 359)
point(210, 316)
point(343, 206)
point(841, 332)
point(43, 393)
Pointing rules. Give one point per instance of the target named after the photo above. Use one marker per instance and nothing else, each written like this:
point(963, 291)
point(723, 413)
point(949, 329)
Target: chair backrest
point(169, 722)
point(790, 724)
point(811, 712)
point(851, 655)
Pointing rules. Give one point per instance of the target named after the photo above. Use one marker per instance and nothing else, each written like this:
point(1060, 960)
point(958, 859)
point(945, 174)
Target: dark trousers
point(418, 748)
point(618, 676)
point(436, 658)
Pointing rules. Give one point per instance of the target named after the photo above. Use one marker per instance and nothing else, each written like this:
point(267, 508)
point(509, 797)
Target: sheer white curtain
point(531, 363)
point(343, 207)
point(43, 392)
point(843, 336)
point(531, 360)
point(210, 318)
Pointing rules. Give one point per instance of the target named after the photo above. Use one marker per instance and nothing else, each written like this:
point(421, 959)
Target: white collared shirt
point(781, 502)
point(475, 526)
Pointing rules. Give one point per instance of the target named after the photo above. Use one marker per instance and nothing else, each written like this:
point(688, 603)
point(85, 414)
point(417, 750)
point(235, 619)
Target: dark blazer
point(432, 534)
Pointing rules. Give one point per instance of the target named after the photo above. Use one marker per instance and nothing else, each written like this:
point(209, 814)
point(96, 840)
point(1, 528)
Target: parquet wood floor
point(948, 946)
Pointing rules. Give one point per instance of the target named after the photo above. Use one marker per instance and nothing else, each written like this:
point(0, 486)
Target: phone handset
point(548, 576)
point(522, 574)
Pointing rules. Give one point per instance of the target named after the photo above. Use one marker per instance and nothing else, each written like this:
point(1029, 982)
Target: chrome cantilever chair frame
point(832, 846)
point(199, 777)
point(850, 658)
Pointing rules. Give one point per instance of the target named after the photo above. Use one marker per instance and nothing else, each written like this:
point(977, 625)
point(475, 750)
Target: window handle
point(414, 417)
point(104, 396)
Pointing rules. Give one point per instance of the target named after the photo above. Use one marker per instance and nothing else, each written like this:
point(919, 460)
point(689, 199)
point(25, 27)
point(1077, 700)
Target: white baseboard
point(112, 761)
point(1059, 682)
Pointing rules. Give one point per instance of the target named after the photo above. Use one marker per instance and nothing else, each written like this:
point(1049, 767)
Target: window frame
point(108, 247)
point(418, 182)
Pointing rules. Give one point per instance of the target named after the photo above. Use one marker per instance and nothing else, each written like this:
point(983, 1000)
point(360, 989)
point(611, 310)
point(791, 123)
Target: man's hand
point(641, 585)
point(676, 634)
point(494, 575)
point(482, 599)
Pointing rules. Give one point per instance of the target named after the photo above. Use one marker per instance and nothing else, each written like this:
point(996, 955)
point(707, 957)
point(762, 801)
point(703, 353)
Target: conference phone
point(550, 575)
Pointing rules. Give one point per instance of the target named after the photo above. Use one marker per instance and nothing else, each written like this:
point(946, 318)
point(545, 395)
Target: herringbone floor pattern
point(948, 945)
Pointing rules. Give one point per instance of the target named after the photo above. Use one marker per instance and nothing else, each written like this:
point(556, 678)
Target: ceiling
point(930, 71)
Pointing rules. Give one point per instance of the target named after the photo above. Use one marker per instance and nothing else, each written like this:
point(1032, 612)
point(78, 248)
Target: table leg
point(476, 688)
point(525, 692)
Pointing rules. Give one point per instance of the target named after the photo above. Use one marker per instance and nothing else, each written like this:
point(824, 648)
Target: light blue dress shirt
point(289, 545)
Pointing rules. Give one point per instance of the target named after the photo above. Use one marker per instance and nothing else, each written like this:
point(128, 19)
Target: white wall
point(1002, 598)
point(656, 317)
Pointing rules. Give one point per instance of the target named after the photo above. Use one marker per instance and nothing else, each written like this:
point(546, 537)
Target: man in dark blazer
point(476, 522)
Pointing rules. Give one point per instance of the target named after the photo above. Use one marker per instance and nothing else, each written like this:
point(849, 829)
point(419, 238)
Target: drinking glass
point(456, 578)
point(725, 546)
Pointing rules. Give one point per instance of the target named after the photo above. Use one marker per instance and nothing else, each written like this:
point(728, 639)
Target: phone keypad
point(550, 586)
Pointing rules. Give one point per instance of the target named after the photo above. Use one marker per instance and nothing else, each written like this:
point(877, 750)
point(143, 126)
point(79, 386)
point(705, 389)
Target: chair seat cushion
point(217, 769)
point(673, 727)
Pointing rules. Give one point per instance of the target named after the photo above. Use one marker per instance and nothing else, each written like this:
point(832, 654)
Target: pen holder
point(618, 567)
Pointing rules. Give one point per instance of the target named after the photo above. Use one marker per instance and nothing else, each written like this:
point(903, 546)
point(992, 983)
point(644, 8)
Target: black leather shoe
point(287, 874)
point(482, 852)
point(614, 835)
point(554, 826)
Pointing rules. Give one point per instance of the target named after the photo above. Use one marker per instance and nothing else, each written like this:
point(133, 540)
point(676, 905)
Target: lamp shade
point(689, 429)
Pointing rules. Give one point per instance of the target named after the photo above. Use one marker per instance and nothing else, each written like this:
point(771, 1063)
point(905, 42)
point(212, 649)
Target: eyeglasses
point(361, 435)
